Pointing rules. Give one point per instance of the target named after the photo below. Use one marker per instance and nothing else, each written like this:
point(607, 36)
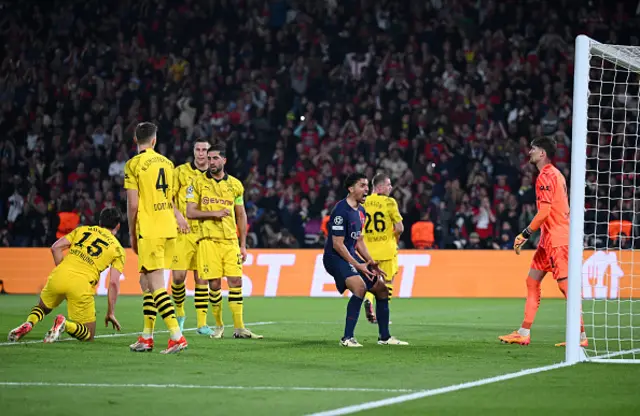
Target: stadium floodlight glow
point(604, 281)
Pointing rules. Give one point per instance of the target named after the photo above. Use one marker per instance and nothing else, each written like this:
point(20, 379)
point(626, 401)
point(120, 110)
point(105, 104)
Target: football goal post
point(604, 281)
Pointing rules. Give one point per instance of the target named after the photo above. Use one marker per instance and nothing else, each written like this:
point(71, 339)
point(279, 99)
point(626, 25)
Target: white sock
point(176, 336)
point(524, 332)
point(583, 336)
point(147, 336)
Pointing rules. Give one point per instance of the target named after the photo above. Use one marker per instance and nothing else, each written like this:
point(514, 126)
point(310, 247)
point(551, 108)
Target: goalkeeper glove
point(521, 239)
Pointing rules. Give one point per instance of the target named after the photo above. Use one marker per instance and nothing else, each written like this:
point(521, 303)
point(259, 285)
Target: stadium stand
point(443, 95)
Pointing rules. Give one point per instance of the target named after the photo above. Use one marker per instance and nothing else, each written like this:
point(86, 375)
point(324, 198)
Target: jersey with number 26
point(346, 222)
point(151, 174)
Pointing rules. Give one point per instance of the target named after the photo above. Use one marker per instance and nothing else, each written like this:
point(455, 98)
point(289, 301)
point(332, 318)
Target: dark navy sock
point(382, 314)
point(353, 312)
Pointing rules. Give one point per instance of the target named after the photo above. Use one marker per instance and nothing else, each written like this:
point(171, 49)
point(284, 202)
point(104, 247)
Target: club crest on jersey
point(190, 191)
point(338, 220)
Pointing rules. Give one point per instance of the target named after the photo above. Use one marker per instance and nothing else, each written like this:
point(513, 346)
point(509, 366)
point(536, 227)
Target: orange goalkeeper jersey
point(551, 188)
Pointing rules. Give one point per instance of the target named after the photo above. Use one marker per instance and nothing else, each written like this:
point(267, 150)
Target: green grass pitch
point(299, 368)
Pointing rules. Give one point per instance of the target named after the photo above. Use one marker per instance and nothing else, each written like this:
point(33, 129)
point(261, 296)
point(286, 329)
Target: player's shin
point(201, 301)
point(563, 285)
point(531, 305)
point(179, 292)
point(149, 310)
point(78, 331)
point(215, 297)
point(236, 306)
point(353, 313)
point(167, 312)
point(36, 315)
point(382, 312)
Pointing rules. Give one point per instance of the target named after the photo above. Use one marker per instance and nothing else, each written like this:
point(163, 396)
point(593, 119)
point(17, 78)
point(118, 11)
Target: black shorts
point(341, 270)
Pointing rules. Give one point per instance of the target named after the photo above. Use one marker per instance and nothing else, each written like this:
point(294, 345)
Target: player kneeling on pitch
point(91, 250)
point(341, 260)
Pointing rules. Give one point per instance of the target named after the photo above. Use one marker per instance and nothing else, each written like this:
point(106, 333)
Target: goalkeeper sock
point(168, 314)
point(215, 297)
point(201, 301)
point(353, 313)
point(179, 294)
point(236, 306)
point(369, 296)
point(149, 310)
point(382, 312)
point(531, 305)
point(564, 288)
point(78, 331)
point(36, 315)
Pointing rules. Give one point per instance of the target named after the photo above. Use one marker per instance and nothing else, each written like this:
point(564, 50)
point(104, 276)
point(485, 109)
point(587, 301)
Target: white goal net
point(610, 276)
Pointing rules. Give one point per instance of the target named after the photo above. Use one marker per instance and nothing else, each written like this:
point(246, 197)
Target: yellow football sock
point(215, 297)
point(179, 294)
point(390, 287)
point(168, 314)
point(36, 315)
point(78, 331)
point(201, 301)
point(149, 310)
point(369, 296)
point(236, 306)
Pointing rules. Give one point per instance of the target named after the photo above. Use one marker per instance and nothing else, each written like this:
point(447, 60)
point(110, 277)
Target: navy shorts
point(340, 269)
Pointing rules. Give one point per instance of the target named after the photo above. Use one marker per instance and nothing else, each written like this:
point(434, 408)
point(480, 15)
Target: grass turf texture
point(452, 341)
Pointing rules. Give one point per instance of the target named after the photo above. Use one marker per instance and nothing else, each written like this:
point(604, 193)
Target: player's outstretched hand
point(221, 214)
point(521, 239)
point(376, 269)
point(363, 269)
point(111, 319)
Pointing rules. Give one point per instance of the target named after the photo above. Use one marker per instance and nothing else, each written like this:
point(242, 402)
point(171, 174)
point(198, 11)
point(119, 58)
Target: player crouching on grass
point(552, 254)
point(91, 250)
point(348, 270)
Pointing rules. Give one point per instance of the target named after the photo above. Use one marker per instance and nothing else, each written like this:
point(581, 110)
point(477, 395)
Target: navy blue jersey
point(345, 222)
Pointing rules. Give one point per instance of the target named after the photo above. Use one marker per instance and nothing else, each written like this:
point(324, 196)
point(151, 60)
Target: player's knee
point(215, 284)
point(179, 276)
point(381, 291)
point(44, 307)
point(234, 281)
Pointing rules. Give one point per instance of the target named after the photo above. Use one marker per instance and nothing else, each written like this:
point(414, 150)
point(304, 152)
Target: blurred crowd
point(444, 96)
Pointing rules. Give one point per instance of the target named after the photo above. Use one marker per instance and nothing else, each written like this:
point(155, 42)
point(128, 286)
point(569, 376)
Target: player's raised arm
point(193, 213)
point(58, 248)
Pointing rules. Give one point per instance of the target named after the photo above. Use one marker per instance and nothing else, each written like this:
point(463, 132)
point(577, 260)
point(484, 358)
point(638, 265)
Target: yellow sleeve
point(239, 196)
point(193, 192)
point(72, 235)
point(119, 259)
point(176, 180)
point(394, 212)
point(130, 179)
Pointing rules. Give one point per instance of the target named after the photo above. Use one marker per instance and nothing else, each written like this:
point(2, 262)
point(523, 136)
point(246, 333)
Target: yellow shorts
point(77, 290)
point(217, 259)
point(155, 253)
point(184, 256)
point(389, 267)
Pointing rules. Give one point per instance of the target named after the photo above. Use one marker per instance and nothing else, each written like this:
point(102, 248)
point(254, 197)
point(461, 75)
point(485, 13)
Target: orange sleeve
point(541, 216)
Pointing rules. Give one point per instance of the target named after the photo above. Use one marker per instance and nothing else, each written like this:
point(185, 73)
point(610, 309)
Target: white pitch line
point(433, 392)
point(195, 386)
point(120, 334)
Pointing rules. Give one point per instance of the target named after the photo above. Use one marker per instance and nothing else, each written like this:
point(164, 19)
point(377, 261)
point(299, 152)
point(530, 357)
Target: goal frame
point(584, 48)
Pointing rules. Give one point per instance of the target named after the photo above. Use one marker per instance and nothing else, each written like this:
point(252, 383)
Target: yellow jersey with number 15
point(92, 250)
point(382, 215)
point(184, 177)
point(211, 194)
point(151, 174)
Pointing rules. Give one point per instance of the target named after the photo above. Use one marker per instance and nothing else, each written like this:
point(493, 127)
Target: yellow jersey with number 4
point(382, 215)
point(211, 194)
point(184, 177)
point(151, 174)
point(92, 250)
